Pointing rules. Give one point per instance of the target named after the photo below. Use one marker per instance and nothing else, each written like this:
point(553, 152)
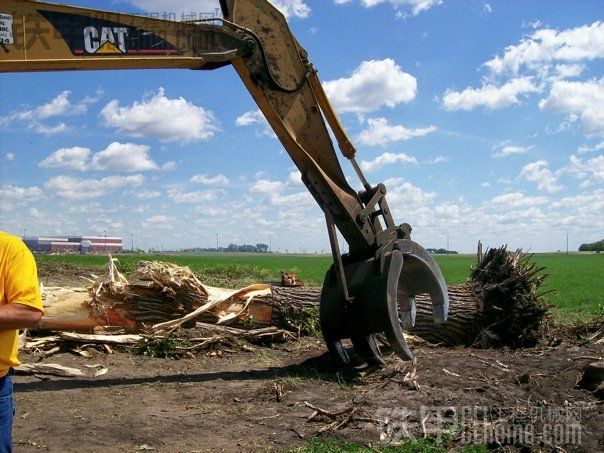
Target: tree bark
point(463, 324)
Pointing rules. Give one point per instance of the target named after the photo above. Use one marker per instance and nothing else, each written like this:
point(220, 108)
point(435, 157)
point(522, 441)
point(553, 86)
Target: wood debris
point(339, 418)
point(48, 368)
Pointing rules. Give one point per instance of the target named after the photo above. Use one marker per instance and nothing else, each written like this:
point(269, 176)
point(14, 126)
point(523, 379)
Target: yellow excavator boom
point(371, 288)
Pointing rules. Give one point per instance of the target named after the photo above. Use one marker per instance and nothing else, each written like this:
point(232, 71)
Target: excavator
point(368, 295)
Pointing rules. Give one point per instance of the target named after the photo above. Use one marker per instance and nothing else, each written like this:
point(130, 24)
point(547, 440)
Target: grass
point(577, 280)
point(331, 445)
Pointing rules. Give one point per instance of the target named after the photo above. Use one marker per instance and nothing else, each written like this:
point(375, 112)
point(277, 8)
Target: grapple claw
point(382, 291)
point(366, 346)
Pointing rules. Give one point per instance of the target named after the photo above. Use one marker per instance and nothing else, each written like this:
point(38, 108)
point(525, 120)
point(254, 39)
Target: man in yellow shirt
point(20, 308)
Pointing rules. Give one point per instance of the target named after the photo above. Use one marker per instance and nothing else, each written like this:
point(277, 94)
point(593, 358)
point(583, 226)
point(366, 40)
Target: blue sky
point(485, 119)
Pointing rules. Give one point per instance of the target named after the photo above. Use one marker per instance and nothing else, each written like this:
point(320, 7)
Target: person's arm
point(23, 303)
point(18, 316)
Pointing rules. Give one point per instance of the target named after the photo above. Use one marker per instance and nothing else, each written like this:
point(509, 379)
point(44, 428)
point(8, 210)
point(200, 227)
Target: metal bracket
point(337, 256)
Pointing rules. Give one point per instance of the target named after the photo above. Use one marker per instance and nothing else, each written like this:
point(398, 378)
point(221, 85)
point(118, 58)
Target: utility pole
point(567, 243)
point(447, 242)
point(216, 241)
point(105, 240)
point(132, 239)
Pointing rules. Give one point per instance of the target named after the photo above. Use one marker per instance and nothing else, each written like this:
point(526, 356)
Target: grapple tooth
point(337, 352)
point(366, 346)
point(440, 313)
point(407, 313)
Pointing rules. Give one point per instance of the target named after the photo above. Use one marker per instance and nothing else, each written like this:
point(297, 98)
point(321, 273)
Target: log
point(498, 306)
point(463, 326)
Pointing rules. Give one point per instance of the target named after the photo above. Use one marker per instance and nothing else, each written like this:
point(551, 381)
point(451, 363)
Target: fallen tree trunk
point(463, 325)
point(498, 306)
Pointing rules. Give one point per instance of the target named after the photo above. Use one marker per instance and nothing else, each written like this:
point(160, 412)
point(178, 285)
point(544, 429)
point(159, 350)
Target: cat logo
point(109, 40)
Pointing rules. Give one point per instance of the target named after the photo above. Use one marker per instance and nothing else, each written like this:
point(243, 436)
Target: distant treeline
point(593, 247)
point(442, 251)
point(232, 248)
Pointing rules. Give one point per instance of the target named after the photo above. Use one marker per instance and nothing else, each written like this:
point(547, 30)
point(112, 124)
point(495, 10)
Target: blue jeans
point(7, 412)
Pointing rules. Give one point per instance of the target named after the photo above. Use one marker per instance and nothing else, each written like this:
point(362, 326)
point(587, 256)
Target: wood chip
point(48, 368)
point(101, 339)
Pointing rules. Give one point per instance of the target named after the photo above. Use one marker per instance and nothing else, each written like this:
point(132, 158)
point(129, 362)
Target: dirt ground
point(256, 399)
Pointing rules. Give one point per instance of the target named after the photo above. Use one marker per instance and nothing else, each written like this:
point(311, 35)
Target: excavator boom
point(371, 288)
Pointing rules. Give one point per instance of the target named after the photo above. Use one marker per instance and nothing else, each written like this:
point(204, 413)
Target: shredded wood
point(166, 296)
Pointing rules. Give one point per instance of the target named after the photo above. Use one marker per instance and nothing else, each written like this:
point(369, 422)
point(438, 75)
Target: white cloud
point(75, 158)
point(126, 157)
point(272, 193)
point(489, 96)
point(416, 6)
point(35, 213)
point(540, 173)
point(567, 71)
point(588, 149)
point(159, 222)
point(591, 171)
point(255, 117)
point(373, 84)
point(60, 105)
point(545, 59)
point(437, 160)
point(251, 117)
point(10, 156)
point(20, 194)
point(83, 189)
point(292, 8)
point(295, 179)
point(547, 45)
point(147, 194)
point(447, 210)
point(534, 24)
point(581, 98)
point(178, 196)
point(406, 195)
point(161, 118)
point(218, 180)
point(505, 150)
point(517, 200)
point(45, 129)
point(386, 159)
point(381, 133)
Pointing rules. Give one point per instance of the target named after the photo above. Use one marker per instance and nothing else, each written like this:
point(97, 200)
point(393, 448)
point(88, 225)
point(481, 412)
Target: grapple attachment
point(382, 294)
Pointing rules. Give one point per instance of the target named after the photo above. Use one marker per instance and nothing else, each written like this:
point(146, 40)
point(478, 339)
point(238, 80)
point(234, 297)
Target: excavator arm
point(368, 290)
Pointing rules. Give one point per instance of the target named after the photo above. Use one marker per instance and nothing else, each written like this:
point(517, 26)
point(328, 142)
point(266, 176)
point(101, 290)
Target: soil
point(256, 398)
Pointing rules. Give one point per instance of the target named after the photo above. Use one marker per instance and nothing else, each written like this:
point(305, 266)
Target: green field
point(577, 280)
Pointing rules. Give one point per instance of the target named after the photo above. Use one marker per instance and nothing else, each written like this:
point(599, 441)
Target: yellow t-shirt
point(18, 284)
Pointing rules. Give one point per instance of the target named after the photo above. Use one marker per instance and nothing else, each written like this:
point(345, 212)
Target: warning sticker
point(6, 29)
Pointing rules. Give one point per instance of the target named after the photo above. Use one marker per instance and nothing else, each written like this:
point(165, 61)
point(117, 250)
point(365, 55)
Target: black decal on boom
point(96, 36)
